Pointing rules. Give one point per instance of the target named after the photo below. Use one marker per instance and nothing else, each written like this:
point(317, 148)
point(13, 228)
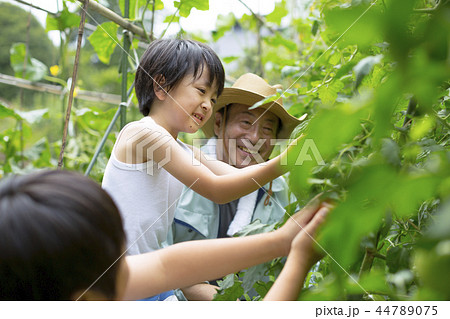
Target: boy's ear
point(158, 87)
point(218, 124)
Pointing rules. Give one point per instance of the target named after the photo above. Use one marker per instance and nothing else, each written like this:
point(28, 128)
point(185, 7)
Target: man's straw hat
point(248, 90)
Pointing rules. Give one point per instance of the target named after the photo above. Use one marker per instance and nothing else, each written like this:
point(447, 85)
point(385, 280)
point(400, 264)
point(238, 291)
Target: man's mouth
point(244, 149)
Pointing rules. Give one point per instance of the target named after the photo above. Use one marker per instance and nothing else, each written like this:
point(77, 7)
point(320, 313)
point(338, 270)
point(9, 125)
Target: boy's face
point(247, 135)
point(190, 103)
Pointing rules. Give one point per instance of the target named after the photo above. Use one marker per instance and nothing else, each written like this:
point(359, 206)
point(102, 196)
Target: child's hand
point(298, 221)
point(290, 154)
point(303, 243)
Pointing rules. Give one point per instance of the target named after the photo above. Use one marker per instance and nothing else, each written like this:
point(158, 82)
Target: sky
point(197, 20)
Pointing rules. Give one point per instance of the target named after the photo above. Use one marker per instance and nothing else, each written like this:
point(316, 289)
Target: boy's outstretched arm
point(189, 263)
point(300, 260)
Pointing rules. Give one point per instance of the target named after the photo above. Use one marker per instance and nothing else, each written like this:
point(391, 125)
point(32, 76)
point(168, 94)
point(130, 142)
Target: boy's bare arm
point(188, 263)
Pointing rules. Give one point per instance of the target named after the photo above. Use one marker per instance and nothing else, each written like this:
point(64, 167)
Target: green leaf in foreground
point(24, 65)
point(104, 40)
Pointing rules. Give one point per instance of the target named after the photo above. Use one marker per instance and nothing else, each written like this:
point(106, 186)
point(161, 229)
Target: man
point(244, 137)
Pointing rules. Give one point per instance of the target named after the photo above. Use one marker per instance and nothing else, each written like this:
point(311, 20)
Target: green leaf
point(329, 92)
point(63, 20)
point(364, 67)
point(431, 266)
point(268, 99)
point(229, 59)
point(230, 289)
point(7, 112)
point(278, 13)
point(256, 227)
point(252, 275)
point(34, 116)
point(354, 25)
point(104, 40)
point(278, 40)
point(391, 152)
point(171, 18)
point(34, 69)
point(224, 23)
point(397, 258)
point(185, 6)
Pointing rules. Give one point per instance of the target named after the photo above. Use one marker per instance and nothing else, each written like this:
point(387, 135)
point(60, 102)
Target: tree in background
point(14, 28)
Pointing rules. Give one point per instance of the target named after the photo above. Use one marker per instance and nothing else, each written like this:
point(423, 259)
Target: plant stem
point(74, 79)
point(153, 20)
point(170, 22)
point(367, 262)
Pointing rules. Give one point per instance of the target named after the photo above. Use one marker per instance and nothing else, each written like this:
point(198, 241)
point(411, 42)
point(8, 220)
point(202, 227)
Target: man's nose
point(252, 134)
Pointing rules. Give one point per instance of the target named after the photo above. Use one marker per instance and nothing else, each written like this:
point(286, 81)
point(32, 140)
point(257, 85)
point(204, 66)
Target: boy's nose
point(206, 106)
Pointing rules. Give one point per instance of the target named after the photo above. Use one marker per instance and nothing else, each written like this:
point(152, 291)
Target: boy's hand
point(290, 154)
point(298, 221)
point(304, 242)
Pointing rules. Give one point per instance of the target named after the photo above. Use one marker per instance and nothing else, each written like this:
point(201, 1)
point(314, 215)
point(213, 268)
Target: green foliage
point(373, 79)
point(104, 40)
point(63, 21)
point(17, 25)
point(185, 6)
point(24, 65)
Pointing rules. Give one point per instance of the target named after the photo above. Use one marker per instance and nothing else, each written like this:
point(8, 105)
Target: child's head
point(59, 232)
point(168, 62)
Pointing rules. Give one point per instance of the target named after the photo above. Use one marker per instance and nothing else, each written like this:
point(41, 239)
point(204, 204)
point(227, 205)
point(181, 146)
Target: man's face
point(246, 136)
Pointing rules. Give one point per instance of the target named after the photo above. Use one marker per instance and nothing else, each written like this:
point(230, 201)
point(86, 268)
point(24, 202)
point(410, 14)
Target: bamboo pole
point(59, 90)
point(72, 87)
point(111, 15)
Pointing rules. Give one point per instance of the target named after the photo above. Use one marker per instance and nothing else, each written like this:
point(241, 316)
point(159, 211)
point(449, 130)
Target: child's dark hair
point(172, 60)
point(59, 232)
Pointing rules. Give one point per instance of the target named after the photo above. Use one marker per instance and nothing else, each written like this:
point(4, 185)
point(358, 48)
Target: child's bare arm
point(159, 146)
point(192, 262)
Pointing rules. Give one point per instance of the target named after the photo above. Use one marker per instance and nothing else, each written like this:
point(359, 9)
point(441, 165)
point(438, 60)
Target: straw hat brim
point(241, 96)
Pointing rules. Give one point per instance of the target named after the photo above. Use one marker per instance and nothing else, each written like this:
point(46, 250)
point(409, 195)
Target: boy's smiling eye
point(203, 91)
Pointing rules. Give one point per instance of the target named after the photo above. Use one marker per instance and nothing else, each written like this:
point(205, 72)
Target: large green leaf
point(104, 40)
point(7, 112)
point(185, 6)
point(24, 65)
point(278, 13)
point(230, 289)
point(358, 24)
point(63, 20)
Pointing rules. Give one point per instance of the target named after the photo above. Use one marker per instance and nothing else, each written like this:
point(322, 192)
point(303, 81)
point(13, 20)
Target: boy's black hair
point(171, 60)
point(59, 232)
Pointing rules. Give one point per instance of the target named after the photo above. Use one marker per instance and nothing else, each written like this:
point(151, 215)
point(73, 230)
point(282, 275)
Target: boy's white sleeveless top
point(146, 197)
